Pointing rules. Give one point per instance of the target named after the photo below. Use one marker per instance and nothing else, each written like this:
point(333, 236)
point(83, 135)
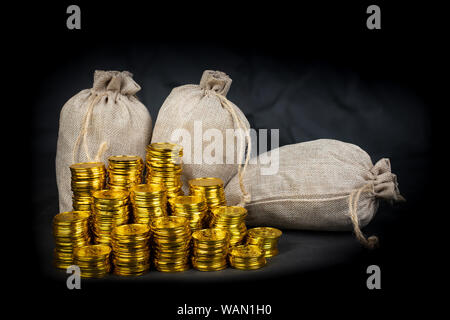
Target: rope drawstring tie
point(245, 138)
point(353, 199)
point(82, 136)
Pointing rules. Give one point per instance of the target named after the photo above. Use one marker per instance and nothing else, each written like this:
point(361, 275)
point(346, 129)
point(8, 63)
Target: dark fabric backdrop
point(312, 71)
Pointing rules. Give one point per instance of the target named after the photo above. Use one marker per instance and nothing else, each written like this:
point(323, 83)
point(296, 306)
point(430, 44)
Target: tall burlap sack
point(99, 122)
point(320, 185)
point(205, 102)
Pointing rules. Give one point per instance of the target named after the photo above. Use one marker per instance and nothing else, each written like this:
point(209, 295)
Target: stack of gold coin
point(247, 257)
point(149, 201)
point(193, 208)
point(171, 243)
point(110, 209)
point(124, 172)
point(131, 249)
point(231, 219)
point(266, 238)
point(93, 260)
point(210, 249)
point(87, 177)
point(163, 161)
point(70, 230)
point(211, 189)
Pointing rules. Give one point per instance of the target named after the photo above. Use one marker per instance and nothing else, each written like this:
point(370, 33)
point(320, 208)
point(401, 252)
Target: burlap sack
point(320, 185)
point(207, 104)
point(99, 122)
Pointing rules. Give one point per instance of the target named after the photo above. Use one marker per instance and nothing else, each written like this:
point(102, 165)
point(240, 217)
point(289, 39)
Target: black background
point(312, 70)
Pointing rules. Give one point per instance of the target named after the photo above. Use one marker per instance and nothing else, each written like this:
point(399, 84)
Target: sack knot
point(216, 81)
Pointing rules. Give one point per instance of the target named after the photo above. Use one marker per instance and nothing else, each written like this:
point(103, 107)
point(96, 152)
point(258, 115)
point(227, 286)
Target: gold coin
point(148, 188)
point(206, 182)
point(110, 194)
point(244, 251)
point(169, 222)
point(210, 235)
point(87, 165)
point(124, 158)
point(230, 211)
point(92, 251)
point(264, 232)
point(70, 217)
point(131, 229)
point(165, 147)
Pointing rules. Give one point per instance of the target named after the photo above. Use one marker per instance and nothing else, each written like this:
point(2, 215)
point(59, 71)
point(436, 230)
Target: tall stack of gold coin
point(149, 201)
point(210, 249)
point(163, 161)
point(124, 172)
point(232, 220)
point(266, 238)
point(193, 208)
point(93, 260)
point(110, 209)
point(247, 257)
point(70, 230)
point(87, 177)
point(131, 249)
point(171, 243)
point(211, 189)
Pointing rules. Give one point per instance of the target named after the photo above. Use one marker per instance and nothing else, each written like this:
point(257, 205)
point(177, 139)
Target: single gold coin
point(210, 235)
point(246, 251)
point(70, 217)
point(87, 165)
point(169, 222)
point(206, 182)
point(165, 147)
point(95, 250)
point(124, 158)
point(229, 211)
point(132, 229)
point(187, 200)
point(148, 188)
point(110, 194)
point(264, 232)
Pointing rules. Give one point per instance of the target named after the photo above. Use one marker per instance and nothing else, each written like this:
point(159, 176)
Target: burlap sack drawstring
point(84, 129)
point(353, 199)
point(246, 196)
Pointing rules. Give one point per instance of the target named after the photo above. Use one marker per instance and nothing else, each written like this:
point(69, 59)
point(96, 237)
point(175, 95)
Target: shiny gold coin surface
point(230, 211)
point(265, 232)
point(70, 217)
point(210, 235)
point(95, 250)
point(87, 165)
point(206, 182)
point(243, 251)
point(110, 194)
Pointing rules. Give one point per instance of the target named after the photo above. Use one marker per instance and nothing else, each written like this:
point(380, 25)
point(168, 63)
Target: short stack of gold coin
point(245, 257)
point(210, 249)
point(131, 249)
point(163, 161)
point(193, 208)
point(93, 260)
point(232, 220)
point(110, 209)
point(211, 189)
point(87, 177)
point(171, 243)
point(266, 238)
point(149, 201)
point(70, 230)
point(124, 172)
